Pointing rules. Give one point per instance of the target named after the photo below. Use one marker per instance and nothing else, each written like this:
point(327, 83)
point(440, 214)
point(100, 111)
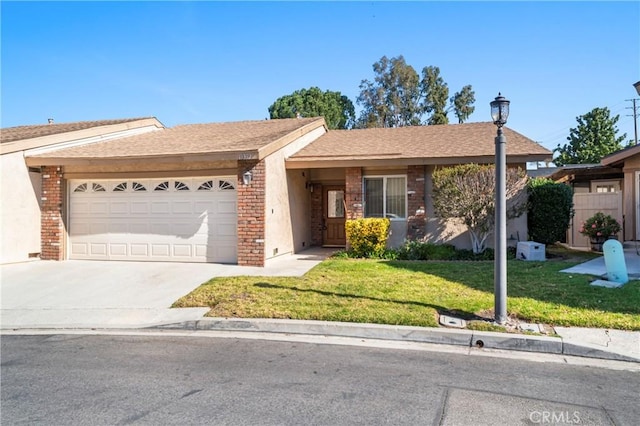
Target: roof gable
point(10, 134)
point(230, 140)
point(54, 136)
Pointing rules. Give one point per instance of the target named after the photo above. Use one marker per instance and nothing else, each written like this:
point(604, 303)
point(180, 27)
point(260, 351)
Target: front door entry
point(334, 215)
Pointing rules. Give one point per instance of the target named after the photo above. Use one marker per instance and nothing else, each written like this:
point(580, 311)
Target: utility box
point(530, 250)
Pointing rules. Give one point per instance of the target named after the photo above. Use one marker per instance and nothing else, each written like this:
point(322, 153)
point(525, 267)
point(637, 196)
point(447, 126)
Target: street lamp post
point(499, 114)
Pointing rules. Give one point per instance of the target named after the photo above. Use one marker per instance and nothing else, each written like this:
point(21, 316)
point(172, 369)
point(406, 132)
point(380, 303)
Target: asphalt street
point(117, 379)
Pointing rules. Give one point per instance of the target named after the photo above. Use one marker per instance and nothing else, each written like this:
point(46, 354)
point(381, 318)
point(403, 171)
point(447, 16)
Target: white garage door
point(179, 220)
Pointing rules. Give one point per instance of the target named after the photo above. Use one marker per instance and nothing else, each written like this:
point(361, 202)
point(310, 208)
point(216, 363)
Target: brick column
point(353, 193)
point(51, 222)
point(316, 214)
point(416, 216)
point(251, 214)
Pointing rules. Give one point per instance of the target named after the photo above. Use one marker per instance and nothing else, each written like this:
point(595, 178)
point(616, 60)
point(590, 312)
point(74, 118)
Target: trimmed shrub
point(550, 210)
point(418, 250)
point(368, 237)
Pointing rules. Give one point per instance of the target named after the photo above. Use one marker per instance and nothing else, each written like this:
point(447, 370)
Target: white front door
point(173, 219)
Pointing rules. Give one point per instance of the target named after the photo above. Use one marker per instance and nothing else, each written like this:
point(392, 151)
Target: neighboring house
point(21, 185)
point(596, 188)
point(247, 192)
point(612, 186)
point(628, 160)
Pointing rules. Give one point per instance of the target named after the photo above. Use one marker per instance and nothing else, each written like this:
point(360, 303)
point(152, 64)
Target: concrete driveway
point(95, 294)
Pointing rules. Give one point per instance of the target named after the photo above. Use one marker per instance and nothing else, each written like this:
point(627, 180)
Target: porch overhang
point(320, 162)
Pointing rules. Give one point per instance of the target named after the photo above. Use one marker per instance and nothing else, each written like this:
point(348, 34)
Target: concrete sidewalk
point(597, 266)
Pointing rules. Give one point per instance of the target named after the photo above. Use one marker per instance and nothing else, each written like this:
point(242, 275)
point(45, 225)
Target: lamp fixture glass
point(500, 110)
point(247, 177)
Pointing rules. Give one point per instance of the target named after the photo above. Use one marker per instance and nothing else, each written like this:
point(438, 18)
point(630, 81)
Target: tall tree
point(467, 192)
point(393, 98)
point(436, 95)
point(398, 97)
point(593, 138)
point(337, 109)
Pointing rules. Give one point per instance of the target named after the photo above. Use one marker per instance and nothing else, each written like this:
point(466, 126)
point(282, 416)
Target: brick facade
point(52, 224)
point(353, 192)
point(416, 203)
point(251, 214)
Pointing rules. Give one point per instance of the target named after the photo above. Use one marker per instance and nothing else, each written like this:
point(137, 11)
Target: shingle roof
point(10, 134)
point(620, 156)
point(444, 141)
point(190, 139)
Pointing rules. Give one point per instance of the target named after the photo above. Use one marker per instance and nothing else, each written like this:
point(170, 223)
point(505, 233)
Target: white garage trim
point(174, 219)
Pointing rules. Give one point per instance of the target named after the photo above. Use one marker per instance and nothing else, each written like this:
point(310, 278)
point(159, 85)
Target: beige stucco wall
point(452, 231)
point(19, 207)
point(287, 201)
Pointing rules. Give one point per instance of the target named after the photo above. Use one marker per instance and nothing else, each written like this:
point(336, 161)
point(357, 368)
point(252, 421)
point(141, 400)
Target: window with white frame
point(385, 196)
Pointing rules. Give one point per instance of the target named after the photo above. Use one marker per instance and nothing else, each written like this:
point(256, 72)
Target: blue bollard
point(614, 261)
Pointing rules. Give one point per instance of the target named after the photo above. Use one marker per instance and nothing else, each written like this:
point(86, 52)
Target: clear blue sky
point(198, 62)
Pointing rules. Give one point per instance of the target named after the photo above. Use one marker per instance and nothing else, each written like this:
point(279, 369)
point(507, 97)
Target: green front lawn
point(413, 293)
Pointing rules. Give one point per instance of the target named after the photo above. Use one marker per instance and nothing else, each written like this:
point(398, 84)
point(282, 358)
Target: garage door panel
point(170, 224)
point(203, 206)
point(182, 250)
point(118, 208)
point(139, 249)
point(116, 249)
point(79, 249)
point(98, 228)
point(182, 207)
point(98, 249)
point(161, 207)
point(139, 228)
point(80, 228)
point(224, 229)
point(118, 228)
point(187, 230)
point(79, 207)
point(160, 250)
point(139, 207)
point(99, 208)
point(224, 253)
point(227, 207)
point(159, 228)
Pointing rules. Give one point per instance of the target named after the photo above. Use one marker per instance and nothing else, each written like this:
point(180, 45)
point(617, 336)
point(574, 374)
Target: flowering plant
point(600, 225)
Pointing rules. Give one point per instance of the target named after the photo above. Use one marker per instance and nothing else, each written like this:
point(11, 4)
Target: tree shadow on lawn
point(535, 281)
point(469, 316)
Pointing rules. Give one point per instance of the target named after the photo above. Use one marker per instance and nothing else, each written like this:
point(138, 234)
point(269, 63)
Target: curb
point(446, 336)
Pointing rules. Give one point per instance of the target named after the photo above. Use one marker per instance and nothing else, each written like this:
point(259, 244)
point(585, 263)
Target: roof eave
point(44, 141)
point(324, 162)
point(620, 156)
point(179, 158)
